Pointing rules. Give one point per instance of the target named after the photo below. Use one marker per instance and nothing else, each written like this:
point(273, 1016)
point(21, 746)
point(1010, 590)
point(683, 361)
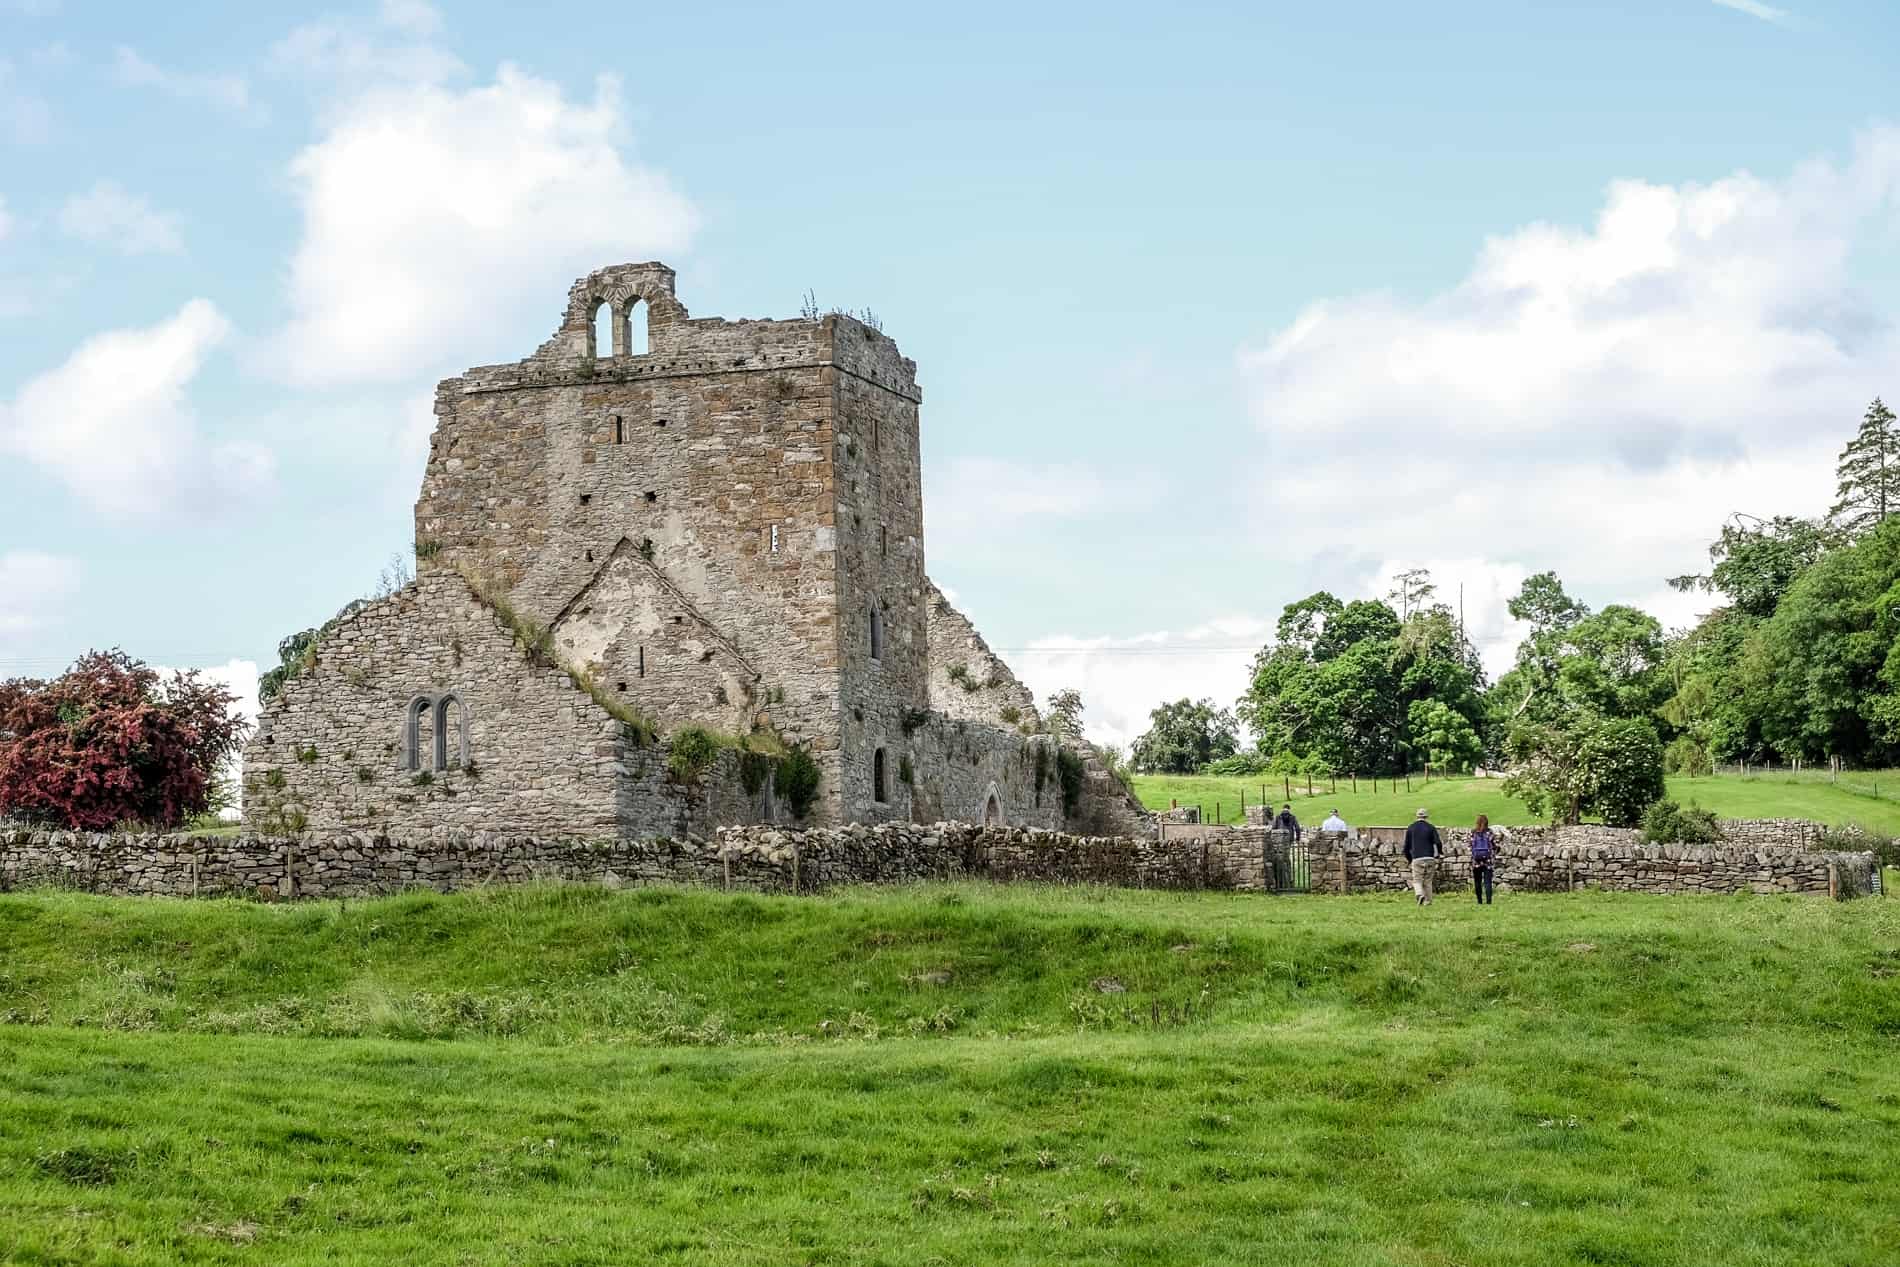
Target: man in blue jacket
point(1422, 847)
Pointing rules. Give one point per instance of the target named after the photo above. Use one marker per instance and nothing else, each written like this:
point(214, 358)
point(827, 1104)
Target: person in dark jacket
point(1422, 848)
point(1286, 821)
point(1484, 856)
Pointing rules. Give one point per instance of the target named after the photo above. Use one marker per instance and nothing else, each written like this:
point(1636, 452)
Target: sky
point(1213, 305)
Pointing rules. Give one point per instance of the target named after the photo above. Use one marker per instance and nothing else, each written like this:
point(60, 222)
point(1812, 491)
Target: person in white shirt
point(1334, 823)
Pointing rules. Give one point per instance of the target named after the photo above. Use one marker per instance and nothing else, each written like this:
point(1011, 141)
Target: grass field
point(948, 1075)
point(1456, 802)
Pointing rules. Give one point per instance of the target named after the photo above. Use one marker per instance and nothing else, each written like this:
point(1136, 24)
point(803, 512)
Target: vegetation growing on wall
point(798, 780)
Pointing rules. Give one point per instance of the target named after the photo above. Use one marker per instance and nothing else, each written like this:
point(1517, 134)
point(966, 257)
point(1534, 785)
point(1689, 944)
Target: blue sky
point(1213, 305)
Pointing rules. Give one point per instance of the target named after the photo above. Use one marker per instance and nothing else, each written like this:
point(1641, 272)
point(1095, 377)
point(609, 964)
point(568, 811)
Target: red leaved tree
point(109, 741)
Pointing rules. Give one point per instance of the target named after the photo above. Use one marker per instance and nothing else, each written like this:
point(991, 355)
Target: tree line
point(1798, 660)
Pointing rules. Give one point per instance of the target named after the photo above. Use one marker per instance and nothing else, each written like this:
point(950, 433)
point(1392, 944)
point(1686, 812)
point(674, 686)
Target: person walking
point(1484, 857)
point(1286, 822)
point(1422, 847)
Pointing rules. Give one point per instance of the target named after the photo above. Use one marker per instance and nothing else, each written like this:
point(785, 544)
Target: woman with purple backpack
point(1484, 856)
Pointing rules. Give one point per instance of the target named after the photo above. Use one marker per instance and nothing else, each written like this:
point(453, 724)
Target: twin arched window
point(619, 331)
point(435, 733)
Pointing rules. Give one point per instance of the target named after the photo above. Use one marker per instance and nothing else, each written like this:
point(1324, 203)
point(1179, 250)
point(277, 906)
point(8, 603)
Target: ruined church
point(621, 549)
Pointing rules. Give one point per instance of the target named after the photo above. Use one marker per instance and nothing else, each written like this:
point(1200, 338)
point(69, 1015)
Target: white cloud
point(110, 215)
point(25, 118)
point(1756, 9)
point(1123, 679)
point(971, 504)
point(230, 93)
point(397, 48)
point(32, 586)
point(114, 424)
point(429, 210)
point(1594, 401)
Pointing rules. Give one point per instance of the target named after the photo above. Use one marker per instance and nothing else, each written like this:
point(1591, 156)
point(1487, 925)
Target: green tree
point(1445, 737)
point(1869, 474)
point(1336, 687)
point(1588, 765)
point(1756, 560)
point(1184, 736)
point(1064, 713)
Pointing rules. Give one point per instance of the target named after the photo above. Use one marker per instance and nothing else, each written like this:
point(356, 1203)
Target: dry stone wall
point(360, 864)
point(1556, 859)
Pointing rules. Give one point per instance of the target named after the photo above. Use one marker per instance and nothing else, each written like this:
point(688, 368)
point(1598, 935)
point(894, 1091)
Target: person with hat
point(1423, 845)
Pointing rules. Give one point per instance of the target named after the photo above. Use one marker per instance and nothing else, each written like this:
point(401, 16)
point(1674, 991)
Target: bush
point(1666, 823)
point(110, 740)
point(1238, 764)
point(798, 780)
point(1072, 773)
point(1687, 757)
point(690, 753)
point(1853, 838)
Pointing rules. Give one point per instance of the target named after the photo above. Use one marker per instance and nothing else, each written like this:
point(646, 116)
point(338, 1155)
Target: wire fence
point(1880, 784)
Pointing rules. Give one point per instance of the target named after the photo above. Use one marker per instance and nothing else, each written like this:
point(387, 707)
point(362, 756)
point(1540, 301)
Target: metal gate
point(1291, 867)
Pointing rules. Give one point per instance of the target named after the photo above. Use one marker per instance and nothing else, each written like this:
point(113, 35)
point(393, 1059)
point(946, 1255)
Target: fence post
point(1286, 785)
point(1217, 813)
point(1341, 845)
point(1834, 881)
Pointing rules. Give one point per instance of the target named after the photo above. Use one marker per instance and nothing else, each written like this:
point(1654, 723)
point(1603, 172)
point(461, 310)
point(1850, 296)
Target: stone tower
point(727, 526)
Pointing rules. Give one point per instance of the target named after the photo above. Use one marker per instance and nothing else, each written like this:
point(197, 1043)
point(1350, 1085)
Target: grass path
point(940, 1075)
point(1458, 801)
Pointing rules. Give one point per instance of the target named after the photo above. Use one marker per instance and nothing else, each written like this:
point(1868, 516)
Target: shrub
point(905, 773)
point(1239, 763)
point(1010, 714)
point(1072, 773)
point(1685, 756)
point(753, 767)
point(798, 780)
point(110, 740)
point(691, 751)
point(1666, 823)
point(1853, 838)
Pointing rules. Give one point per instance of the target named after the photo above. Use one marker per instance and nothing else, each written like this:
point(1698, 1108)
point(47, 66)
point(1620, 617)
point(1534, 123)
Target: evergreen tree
point(1869, 473)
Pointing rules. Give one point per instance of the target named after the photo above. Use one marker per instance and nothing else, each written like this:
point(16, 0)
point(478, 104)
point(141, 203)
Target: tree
point(1869, 474)
point(1184, 736)
point(1064, 713)
point(1591, 765)
point(1336, 688)
point(1411, 590)
point(109, 741)
point(1444, 737)
point(1756, 560)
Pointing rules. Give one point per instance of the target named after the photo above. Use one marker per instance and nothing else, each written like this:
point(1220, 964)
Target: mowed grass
point(1458, 802)
point(949, 1074)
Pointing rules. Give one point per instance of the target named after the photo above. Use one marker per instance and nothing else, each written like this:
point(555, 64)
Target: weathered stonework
point(363, 864)
point(724, 531)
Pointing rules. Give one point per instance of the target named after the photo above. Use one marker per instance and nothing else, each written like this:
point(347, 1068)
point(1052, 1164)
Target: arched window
point(992, 812)
point(451, 732)
point(603, 330)
point(877, 633)
point(415, 730)
point(636, 328)
point(879, 787)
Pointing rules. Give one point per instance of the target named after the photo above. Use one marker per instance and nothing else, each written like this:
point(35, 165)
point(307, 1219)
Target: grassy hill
point(1457, 802)
point(955, 1074)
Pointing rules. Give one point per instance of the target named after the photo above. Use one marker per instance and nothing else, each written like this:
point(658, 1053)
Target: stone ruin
point(722, 532)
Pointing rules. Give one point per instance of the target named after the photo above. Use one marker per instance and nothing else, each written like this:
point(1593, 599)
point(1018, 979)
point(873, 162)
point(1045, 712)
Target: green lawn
point(948, 1074)
point(1457, 802)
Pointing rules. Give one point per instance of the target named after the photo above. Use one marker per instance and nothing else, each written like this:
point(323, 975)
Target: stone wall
point(1749, 833)
point(334, 864)
point(527, 750)
point(759, 858)
point(1546, 859)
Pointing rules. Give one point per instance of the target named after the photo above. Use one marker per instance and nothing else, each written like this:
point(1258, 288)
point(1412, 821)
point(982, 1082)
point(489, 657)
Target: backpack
point(1481, 846)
